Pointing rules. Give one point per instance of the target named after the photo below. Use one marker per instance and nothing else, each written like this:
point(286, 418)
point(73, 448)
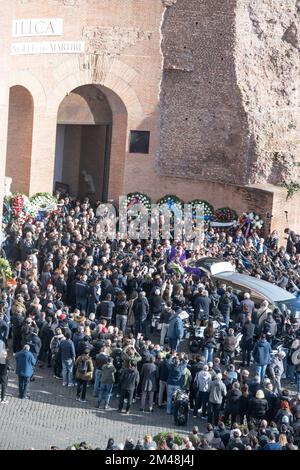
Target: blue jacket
point(67, 349)
point(262, 352)
point(175, 373)
point(175, 330)
point(25, 363)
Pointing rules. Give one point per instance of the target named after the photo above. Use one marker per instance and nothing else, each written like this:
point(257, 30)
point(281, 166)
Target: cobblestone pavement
point(52, 416)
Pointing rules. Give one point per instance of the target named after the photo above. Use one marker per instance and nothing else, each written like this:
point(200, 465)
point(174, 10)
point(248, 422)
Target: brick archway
point(19, 138)
point(88, 140)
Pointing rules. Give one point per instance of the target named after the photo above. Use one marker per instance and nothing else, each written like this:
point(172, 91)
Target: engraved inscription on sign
point(53, 47)
point(37, 27)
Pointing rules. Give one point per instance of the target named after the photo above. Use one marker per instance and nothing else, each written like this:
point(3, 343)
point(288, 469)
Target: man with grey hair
point(25, 363)
point(276, 370)
point(217, 391)
point(247, 301)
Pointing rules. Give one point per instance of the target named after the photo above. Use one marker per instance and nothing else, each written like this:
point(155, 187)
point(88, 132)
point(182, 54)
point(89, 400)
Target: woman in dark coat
point(244, 404)
point(258, 405)
point(233, 403)
point(149, 378)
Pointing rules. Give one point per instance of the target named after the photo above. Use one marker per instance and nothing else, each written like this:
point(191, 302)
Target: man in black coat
point(17, 322)
point(141, 310)
point(129, 380)
point(247, 341)
point(35, 346)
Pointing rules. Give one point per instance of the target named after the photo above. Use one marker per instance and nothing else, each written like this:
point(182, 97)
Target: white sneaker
point(70, 385)
point(4, 402)
point(64, 384)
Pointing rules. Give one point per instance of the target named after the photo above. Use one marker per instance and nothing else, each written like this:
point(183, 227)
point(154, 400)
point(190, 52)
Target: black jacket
point(258, 407)
point(129, 379)
point(248, 333)
point(122, 307)
point(140, 309)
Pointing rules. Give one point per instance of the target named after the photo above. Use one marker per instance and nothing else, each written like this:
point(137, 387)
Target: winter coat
point(175, 329)
point(55, 342)
point(233, 401)
point(175, 372)
point(25, 363)
point(248, 333)
point(258, 407)
point(149, 376)
point(166, 315)
point(140, 309)
point(84, 367)
point(35, 344)
point(262, 352)
point(203, 303)
point(203, 381)
point(129, 379)
point(276, 367)
point(163, 370)
point(108, 374)
point(269, 326)
point(156, 304)
point(217, 391)
point(122, 307)
point(229, 343)
point(67, 349)
point(105, 309)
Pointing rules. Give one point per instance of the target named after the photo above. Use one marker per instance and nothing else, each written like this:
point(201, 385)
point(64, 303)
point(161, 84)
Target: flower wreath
point(207, 208)
point(136, 198)
point(225, 214)
point(170, 201)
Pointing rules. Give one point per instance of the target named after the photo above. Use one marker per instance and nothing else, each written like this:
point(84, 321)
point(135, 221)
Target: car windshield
point(293, 305)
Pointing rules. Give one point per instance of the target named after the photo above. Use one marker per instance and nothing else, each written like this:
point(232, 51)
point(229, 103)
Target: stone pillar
point(43, 153)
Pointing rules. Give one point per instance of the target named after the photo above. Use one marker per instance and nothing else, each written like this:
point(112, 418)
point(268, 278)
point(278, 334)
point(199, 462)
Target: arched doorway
point(19, 138)
point(83, 141)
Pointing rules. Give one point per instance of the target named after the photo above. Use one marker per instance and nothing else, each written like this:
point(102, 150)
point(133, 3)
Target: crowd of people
point(85, 307)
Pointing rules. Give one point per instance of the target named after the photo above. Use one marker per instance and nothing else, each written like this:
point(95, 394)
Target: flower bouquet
point(249, 222)
point(5, 270)
point(43, 202)
point(225, 215)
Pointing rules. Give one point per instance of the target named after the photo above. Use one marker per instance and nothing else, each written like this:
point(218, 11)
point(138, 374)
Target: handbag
point(159, 326)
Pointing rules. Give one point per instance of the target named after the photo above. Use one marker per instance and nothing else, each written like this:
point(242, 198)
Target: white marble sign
point(37, 27)
point(53, 47)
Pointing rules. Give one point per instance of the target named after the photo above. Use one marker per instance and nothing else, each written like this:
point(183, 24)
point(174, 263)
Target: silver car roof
point(267, 289)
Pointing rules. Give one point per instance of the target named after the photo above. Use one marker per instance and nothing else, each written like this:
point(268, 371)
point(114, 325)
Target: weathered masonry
point(198, 98)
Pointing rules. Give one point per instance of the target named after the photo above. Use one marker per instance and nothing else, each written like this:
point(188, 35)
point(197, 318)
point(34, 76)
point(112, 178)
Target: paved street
point(52, 416)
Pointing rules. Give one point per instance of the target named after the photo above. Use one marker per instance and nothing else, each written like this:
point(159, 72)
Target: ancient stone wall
point(204, 127)
point(267, 67)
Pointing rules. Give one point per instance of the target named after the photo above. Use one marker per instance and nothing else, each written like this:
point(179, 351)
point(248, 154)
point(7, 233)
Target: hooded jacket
point(175, 329)
point(203, 381)
point(217, 391)
point(262, 352)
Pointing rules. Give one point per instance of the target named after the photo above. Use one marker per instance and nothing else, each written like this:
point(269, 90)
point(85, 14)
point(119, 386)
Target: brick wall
point(204, 132)
point(19, 138)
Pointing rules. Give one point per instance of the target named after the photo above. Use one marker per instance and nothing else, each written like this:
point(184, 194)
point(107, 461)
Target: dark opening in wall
point(139, 141)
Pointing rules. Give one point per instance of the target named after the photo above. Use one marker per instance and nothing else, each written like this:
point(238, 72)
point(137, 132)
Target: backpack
point(83, 366)
point(118, 360)
point(55, 345)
